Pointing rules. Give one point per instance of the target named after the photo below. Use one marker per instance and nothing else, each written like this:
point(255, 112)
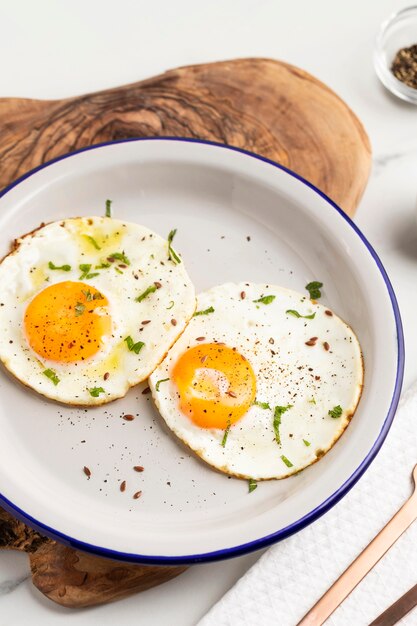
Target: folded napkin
point(292, 575)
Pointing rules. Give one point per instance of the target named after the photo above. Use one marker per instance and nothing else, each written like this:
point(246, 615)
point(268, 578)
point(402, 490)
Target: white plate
point(239, 217)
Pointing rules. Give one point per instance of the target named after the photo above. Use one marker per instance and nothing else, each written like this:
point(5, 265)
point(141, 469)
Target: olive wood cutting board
point(265, 106)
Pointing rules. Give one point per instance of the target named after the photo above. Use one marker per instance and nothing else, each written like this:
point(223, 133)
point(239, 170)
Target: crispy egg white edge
point(52, 393)
point(198, 327)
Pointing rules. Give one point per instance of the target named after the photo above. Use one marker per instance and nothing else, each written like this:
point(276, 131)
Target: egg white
point(310, 378)
point(25, 272)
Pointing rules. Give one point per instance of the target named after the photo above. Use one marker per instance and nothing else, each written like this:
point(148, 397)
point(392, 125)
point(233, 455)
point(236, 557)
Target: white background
point(53, 49)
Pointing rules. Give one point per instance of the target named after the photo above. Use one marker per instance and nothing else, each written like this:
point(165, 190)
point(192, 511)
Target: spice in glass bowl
point(404, 66)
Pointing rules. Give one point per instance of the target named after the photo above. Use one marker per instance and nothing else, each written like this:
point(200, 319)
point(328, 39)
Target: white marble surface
point(53, 49)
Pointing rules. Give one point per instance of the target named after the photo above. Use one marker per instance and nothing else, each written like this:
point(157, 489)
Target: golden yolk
point(216, 385)
point(66, 322)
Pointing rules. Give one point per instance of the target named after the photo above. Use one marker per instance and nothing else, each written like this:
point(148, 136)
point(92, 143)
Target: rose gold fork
point(363, 564)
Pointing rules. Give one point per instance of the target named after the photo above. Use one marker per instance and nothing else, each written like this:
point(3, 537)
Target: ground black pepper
point(404, 66)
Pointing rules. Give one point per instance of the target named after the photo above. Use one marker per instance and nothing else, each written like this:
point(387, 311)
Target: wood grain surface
point(73, 578)
point(269, 107)
point(265, 106)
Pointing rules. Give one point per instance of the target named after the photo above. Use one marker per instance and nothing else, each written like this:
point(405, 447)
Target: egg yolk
point(216, 385)
point(66, 322)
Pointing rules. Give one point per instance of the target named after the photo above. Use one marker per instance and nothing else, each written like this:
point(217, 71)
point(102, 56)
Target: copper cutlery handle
point(398, 610)
point(358, 569)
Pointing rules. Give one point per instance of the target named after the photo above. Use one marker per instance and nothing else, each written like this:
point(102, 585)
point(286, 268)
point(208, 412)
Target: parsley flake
point(64, 268)
point(52, 376)
point(297, 314)
point(85, 269)
point(312, 401)
point(145, 294)
point(102, 266)
point(262, 405)
point(96, 391)
point(163, 380)
point(118, 256)
point(226, 434)
point(171, 304)
point(205, 312)
point(92, 296)
point(252, 484)
point(88, 295)
point(286, 461)
point(314, 289)
point(79, 309)
point(108, 208)
point(132, 346)
point(336, 411)
point(265, 299)
point(92, 241)
point(172, 255)
point(306, 443)
point(278, 413)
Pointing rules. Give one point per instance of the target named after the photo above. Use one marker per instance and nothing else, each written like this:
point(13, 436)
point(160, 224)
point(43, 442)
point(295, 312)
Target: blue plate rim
point(317, 512)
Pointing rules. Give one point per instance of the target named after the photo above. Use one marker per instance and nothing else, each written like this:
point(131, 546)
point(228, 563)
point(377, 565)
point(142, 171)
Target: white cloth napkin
point(292, 575)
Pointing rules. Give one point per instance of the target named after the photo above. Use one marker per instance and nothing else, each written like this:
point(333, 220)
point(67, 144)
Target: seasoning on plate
point(404, 66)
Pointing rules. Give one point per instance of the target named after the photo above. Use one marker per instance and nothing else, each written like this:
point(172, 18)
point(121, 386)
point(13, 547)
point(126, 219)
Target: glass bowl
point(398, 31)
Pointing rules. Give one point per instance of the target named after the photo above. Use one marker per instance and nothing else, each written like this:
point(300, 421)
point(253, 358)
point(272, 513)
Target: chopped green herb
point(92, 241)
point(312, 401)
point(134, 347)
point(118, 256)
point(85, 269)
point(297, 314)
point(336, 411)
point(88, 295)
point(118, 271)
point(102, 266)
point(306, 443)
point(171, 304)
point(226, 434)
point(252, 485)
point(108, 208)
point(163, 380)
point(52, 376)
point(79, 309)
point(64, 268)
point(278, 413)
point(146, 293)
point(172, 255)
point(92, 296)
point(265, 299)
point(96, 391)
point(262, 405)
point(286, 461)
point(314, 289)
point(205, 312)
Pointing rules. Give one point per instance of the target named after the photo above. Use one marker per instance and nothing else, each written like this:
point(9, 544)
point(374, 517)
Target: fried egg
point(263, 381)
point(89, 307)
